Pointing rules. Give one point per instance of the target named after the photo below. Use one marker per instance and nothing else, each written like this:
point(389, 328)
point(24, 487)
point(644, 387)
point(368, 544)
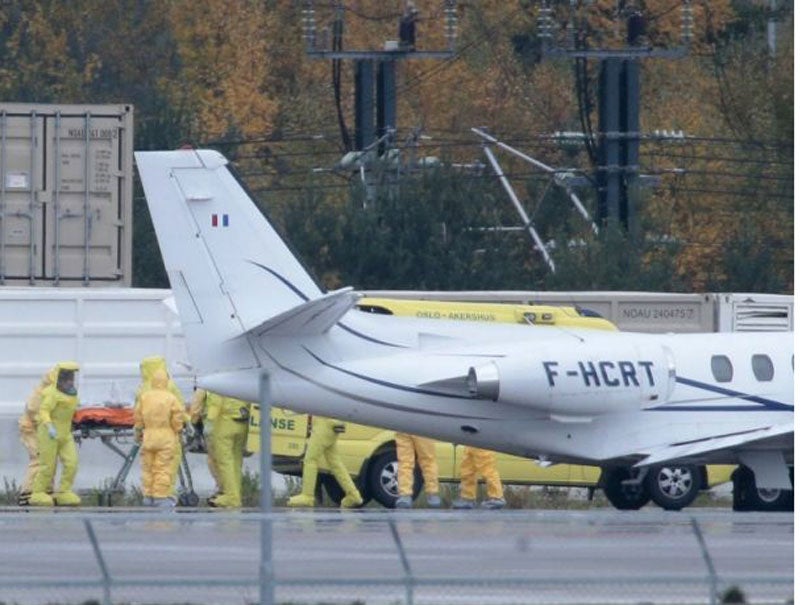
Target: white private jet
point(627, 402)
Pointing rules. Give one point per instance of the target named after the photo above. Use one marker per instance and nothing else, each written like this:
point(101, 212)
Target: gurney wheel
point(189, 499)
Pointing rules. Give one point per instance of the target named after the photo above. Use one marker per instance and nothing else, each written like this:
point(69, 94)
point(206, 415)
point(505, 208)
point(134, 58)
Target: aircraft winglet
point(312, 317)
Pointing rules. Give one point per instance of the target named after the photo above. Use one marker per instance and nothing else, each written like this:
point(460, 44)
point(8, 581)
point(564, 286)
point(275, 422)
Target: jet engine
point(581, 380)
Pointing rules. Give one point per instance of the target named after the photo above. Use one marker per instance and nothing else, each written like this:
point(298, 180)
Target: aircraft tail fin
point(229, 268)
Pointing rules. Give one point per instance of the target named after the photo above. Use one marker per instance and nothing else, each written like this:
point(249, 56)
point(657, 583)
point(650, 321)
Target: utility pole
point(375, 79)
point(617, 142)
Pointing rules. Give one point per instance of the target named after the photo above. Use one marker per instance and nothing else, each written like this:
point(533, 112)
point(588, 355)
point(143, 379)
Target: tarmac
point(377, 556)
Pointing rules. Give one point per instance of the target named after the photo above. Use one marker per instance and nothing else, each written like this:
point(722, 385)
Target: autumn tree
point(235, 76)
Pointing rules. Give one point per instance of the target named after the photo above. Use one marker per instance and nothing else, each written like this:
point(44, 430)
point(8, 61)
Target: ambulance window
point(762, 368)
point(721, 368)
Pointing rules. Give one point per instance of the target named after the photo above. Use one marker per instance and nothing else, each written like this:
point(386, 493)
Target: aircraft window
point(762, 368)
point(721, 368)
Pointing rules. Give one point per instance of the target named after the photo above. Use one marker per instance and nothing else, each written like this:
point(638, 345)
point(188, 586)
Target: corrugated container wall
point(66, 194)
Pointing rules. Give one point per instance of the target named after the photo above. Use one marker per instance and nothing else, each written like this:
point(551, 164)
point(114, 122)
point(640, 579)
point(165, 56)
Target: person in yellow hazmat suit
point(477, 462)
point(149, 365)
point(157, 422)
point(200, 411)
point(27, 427)
point(226, 428)
point(323, 444)
point(55, 439)
point(422, 451)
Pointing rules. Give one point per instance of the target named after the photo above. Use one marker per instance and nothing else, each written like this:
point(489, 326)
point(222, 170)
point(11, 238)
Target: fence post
point(266, 563)
point(712, 579)
point(101, 563)
point(409, 578)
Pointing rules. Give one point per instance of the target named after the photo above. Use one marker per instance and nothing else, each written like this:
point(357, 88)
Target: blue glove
point(52, 431)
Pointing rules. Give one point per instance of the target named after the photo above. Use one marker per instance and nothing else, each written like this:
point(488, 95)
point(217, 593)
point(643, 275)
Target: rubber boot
point(66, 499)
point(433, 500)
point(494, 503)
point(306, 496)
point(301, 500)
point(403, 502)
point(225, 501)
point(40, 499)
point(165, 504)
point(352, 500)
point(148, 501)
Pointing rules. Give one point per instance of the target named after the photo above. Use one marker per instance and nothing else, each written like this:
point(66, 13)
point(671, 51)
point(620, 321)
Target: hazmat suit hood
point(49, 377)
point(149, 365)
point(65, 377)
point(159, 379)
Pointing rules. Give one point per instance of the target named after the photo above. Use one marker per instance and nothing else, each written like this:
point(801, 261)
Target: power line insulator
point(309, 26)
point(687, 27)
point(451, 21)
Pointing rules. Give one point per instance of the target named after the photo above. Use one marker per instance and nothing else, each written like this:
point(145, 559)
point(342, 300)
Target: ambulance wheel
point(674, 487)
point(331, 487)
point(624, 497)
point(382, 480)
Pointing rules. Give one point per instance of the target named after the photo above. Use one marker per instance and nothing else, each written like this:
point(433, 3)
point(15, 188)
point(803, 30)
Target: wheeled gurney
point(114, 426)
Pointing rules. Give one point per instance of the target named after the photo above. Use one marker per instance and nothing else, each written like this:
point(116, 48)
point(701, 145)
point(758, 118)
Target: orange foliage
point(225, 75)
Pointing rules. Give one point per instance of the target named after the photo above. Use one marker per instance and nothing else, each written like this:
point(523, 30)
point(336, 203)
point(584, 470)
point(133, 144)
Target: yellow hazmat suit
point(157, 422)
point(200, 414)
point(27, 426)
point(230, 427)
point(55, 439)
point(420, 450)
point(474, 463)
point(323, 444)
point(148, 366)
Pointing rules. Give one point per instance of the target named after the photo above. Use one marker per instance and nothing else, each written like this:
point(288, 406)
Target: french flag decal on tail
point(221, 220)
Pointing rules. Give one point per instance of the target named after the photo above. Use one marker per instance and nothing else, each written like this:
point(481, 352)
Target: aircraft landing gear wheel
point(621, 496)
point(746, 496)
point(674, 487)
point(382, 480)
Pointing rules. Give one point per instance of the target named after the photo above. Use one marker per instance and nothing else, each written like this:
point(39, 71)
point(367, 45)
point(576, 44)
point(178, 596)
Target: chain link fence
point(414, 557)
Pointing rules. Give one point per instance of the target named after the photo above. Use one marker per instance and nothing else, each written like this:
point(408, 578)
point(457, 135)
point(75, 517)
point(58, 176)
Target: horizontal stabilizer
point(771, 436)
point(313, 317)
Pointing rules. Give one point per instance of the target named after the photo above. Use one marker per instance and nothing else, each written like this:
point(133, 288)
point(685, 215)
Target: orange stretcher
point(114, 426)
point(93, 417)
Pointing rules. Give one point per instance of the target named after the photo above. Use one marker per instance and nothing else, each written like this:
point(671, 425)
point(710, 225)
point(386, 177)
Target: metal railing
point(551, 557)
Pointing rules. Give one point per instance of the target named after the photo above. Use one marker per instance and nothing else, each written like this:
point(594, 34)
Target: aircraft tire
point(382, 480)
point(747, 497)
point(674, 487)
point(624, 497)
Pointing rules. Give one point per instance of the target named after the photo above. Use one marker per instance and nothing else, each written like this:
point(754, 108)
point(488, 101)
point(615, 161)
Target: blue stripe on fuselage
point(384, 383)
point(765, 405)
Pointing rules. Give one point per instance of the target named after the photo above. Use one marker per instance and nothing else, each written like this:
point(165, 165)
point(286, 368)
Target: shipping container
point(66, 194)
